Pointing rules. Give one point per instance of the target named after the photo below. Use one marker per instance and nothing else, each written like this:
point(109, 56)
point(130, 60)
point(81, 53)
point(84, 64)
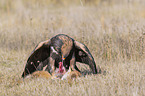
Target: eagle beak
point(63, 58)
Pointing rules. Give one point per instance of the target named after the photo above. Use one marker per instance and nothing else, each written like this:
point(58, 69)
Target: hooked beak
point(63, 58)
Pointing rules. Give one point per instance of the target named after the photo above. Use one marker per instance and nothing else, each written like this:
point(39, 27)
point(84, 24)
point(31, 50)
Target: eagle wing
point(83, 55)
point(39, 54)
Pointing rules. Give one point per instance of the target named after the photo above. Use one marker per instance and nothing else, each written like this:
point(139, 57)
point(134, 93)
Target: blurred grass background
point(113, 30)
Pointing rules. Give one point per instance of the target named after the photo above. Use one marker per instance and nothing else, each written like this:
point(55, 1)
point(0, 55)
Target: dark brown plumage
point(60, 48)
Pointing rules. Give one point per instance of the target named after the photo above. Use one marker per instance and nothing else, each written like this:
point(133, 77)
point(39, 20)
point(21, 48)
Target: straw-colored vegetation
point(113, 30)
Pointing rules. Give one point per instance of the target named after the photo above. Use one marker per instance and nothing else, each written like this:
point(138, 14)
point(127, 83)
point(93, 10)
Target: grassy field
point(113, 30)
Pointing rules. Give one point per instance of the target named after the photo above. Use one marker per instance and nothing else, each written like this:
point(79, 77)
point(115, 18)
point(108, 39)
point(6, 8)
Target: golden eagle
point(59, 52)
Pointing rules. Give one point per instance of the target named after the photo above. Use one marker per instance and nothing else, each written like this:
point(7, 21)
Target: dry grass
point(114, 32)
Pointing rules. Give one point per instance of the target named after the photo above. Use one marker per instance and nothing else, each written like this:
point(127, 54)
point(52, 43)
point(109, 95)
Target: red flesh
point(61, 69)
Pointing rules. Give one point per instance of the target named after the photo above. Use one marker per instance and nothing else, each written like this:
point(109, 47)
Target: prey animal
point(58, 54)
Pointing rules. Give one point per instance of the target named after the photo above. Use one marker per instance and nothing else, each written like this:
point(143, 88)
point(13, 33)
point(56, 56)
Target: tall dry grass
point(113, 31)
